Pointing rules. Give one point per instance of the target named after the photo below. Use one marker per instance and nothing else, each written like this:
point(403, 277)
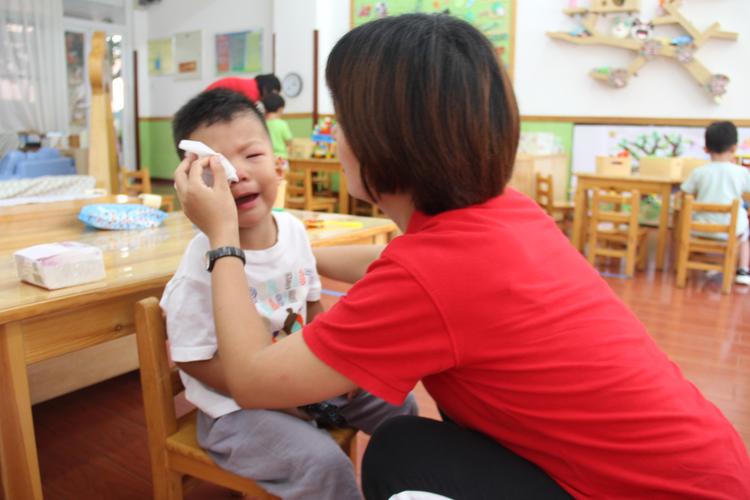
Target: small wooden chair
point(137, 182)
point(300, 193)
point(689, 243)
point(619, 231)
point(359, 207)
point(545, 197)
point(175, 454)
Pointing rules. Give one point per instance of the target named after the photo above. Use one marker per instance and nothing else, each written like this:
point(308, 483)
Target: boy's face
point(245, 143)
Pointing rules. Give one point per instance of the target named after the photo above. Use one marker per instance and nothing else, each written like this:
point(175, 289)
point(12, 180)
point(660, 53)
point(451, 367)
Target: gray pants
point(290, 457)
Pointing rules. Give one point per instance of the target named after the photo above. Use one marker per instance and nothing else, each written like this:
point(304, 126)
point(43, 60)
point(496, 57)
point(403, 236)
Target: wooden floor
point(92, 443)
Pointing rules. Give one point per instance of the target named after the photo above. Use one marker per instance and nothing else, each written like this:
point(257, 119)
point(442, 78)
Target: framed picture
point(160, 62)
point(239, 52)
point(188, 52)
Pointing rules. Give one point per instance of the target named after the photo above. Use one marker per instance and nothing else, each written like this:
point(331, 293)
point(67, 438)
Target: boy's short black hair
point(720, 137)
point(209, 107)
point(273, 103)
point(426, 109)
point(268, 84)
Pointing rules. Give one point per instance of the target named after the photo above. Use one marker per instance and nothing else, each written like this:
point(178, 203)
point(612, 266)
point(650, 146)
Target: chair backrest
point(688, 225)
point(135, 182)
point(159, 382)
point(690, 164)
point(545, 192)
point(614, 212)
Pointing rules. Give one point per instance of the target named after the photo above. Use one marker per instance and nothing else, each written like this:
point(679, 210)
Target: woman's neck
point(271, 116)
point(398, 207)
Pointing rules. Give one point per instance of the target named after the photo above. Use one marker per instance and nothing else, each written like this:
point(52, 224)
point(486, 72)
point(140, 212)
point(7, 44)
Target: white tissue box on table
point(57, 265)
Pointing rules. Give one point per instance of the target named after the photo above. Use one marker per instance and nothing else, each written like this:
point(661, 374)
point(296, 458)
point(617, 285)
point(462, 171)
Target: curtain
point(33, 87)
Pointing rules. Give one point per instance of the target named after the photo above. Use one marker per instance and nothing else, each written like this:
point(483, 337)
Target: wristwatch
point(213, 255)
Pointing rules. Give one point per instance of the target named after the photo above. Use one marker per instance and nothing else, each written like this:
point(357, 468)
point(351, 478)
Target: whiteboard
point(551, 76)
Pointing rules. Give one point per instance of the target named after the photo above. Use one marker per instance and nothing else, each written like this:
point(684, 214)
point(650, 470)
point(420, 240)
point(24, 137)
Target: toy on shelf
point(322, 136)
point(633, 34)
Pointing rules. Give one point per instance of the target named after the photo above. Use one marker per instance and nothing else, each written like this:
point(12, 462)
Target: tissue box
point(612, 165)
point(663, 168)
point(57, 265)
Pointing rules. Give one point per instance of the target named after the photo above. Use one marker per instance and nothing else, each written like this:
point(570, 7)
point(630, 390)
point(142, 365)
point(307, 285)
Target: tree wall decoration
point(628, 32)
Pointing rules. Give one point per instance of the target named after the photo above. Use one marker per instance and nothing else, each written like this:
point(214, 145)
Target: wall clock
point(291, 85)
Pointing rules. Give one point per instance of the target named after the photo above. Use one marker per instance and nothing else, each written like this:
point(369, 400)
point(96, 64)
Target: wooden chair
point(300, 193)
point(176, 457)
point(689, 243)
point(359, 207)
point(137, 182)
point(545, 197)
point(619, 231)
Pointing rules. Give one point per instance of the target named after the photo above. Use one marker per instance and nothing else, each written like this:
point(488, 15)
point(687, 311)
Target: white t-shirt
point(719, 183)
point(282, 279)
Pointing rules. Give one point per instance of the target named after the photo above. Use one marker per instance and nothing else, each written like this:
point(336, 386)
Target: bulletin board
point(239, 53)
point(494, 18)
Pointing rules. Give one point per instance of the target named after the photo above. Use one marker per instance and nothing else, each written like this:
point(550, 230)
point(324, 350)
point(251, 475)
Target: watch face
point(207, 261)
point(292, 85)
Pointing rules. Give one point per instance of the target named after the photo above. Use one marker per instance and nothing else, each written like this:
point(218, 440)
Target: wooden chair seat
point(175, 453)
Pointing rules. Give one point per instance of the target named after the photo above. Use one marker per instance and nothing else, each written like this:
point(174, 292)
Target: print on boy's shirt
point(293, 323)
point(287, 282)
point(282, 301)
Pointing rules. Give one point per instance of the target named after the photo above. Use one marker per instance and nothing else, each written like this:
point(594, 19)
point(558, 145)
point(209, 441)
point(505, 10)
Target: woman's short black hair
point(217, 105)
point(268, 84)
point(720, 137)
point(273, 103)
point(426, 109)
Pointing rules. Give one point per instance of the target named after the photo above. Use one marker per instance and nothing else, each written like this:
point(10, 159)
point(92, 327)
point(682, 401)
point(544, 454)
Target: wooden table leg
point(661, 243)
point(343, 194)
point(18, 456)
point(579, 214)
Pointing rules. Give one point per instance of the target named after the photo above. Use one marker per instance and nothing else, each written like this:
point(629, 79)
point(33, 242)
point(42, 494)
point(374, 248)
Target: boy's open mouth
point(245, 199)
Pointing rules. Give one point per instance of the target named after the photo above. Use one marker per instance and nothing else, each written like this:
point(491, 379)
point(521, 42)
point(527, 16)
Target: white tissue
point(200, 149)
point(57, 265)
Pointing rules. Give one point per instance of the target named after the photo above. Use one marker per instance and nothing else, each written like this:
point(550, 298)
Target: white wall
point(162, 96)
point(332, 22)
point(293, 23)
point(551, 76)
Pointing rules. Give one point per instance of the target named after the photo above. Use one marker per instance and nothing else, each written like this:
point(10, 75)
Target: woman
point(549, 385)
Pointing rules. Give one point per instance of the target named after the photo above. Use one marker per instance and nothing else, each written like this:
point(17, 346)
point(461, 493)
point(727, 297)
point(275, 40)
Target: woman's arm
point(346, 263)
point(258, 374)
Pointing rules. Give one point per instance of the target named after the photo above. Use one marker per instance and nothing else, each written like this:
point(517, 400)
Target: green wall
point(158, 152)
point(157, 148)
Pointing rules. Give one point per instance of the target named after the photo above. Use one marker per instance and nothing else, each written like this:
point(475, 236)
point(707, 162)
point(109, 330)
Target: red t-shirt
point(246, 86)
point(515, 335)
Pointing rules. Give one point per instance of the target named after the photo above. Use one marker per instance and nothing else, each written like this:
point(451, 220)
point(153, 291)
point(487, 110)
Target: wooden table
point(321, 165)
point(646, 185)
point(83, 334)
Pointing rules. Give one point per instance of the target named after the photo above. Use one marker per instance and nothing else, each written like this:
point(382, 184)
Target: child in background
point(278, 129)
point(722, 182)
point(284, 451)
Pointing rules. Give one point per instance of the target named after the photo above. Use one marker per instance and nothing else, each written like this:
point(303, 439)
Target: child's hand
point(212, 209)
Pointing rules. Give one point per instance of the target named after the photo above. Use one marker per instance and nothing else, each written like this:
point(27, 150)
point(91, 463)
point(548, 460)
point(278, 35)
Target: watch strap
point(218, 253)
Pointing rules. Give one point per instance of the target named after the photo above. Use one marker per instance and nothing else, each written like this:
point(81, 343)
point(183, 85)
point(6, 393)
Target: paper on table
point(200, 149)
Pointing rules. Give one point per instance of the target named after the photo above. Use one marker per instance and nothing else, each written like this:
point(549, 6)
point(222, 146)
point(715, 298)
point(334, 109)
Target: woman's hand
point(211, 208)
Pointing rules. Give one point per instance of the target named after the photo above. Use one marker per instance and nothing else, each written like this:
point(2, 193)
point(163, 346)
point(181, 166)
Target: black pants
point(414, 453)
